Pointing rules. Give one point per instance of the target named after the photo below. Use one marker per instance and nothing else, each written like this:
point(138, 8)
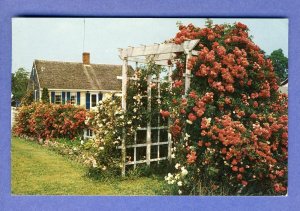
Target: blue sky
point(61, 39)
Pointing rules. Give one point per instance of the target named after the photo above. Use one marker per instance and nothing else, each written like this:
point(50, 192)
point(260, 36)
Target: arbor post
point(148, 138)
point(187, 73)
point(124, 97)
point(169, 120)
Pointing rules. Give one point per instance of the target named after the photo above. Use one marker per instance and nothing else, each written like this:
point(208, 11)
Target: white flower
point(122, 117)
point(177, 165)
point(169, 177)
point(137, 97)
point(179, 183)
point(184, 171)
point(171, 182)
point(104, 168)
point(186, 137)
point(189, 122)
point(94, 162)
point(129, 122)
point(101, 148)
point(208, 120)
point(81, 142)
point(172, 155)
point(180, 192)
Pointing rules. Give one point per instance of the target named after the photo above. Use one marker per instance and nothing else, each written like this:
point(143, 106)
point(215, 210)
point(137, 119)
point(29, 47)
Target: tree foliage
point(280, 64)
point(19, 84)
point(28, 98)
point(45, 96)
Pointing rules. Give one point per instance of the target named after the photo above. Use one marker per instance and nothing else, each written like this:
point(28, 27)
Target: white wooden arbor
point(161, 54)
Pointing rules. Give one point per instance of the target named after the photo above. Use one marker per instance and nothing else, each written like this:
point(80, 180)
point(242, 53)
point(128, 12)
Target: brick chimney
point(86, 58)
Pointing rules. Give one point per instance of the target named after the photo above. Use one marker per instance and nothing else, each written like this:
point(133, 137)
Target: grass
point(39, 171)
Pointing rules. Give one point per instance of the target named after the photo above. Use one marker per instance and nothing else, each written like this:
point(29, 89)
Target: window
point(73, 98)
point(94, 100)
point(89, 133)
point(57, 99)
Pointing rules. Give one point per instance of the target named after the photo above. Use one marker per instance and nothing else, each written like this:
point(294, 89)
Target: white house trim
point(84, 90)
point(35, 70)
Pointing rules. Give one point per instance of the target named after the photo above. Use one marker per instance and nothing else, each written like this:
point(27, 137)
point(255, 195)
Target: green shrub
point(45, 96)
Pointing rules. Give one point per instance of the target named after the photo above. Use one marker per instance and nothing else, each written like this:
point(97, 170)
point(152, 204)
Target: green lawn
point(37, 170)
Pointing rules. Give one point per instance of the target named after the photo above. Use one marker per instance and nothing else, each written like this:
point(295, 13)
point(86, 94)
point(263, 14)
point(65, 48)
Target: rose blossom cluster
point(234, 114)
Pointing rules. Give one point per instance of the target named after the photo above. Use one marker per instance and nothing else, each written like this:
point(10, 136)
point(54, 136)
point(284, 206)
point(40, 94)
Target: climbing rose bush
point(230, 131)
point(48, 121)
point(109, 122)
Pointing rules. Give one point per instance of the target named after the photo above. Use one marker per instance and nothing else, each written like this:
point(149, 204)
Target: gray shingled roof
point(73, 75)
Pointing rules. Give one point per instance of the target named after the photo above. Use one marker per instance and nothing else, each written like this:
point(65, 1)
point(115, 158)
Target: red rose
point(207, 144)
point(200, 143)
point(255, 104)
point(234, 162)
point(239, 176)
point(165, 113)
point(241, 169)
point(191, 157)
point(234, 168)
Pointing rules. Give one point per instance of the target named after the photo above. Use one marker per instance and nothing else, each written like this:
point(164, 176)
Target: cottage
point(83, 84)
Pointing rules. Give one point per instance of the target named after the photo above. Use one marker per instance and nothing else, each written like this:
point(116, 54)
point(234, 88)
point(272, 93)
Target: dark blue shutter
point(63, 96)
point(78, 98)
point(100, 96)
point(87, 100)
point(68, 97)
point(52, 97)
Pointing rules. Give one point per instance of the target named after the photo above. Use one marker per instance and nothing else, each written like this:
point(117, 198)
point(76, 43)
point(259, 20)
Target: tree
point(45, 96)
point(27, 99)
point(19, 84)
point(280, 64)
